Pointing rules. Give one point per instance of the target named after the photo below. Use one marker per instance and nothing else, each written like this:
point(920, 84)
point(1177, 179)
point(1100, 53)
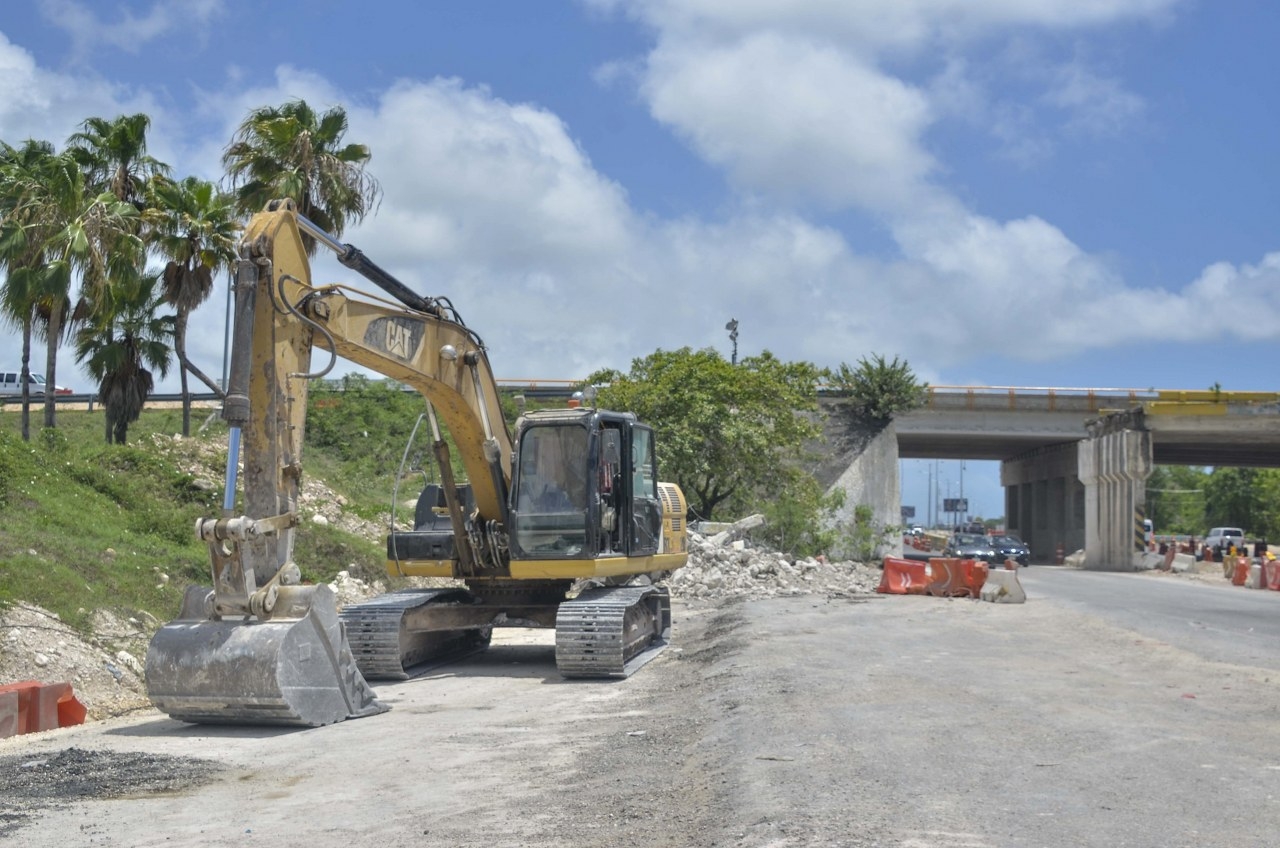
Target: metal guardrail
point(1035, 398)
point(1055, 399)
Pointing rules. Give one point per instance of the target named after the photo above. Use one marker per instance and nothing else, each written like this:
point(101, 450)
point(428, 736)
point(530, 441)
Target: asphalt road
point(896, 721)
point(1214, 620)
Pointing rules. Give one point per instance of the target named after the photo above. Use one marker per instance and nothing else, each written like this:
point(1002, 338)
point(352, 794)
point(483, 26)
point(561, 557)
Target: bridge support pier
point(1044, 499)
point(871, 479)
point(1115, 462)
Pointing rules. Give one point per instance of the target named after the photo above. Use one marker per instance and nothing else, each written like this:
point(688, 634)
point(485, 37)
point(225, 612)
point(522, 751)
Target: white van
point(11, 384)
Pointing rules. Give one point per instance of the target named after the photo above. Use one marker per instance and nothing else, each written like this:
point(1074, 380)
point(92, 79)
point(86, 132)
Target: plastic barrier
point(956, 578)
point(1003, 587)
point(1271, 573)
point(1239, 570)
point(904, 577)
point(1257, 576)
point(31, 706)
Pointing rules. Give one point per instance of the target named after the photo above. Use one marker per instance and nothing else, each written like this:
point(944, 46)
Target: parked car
point(970, 546)
point(1223, 537)
point(1009, 546)
point(11, 384)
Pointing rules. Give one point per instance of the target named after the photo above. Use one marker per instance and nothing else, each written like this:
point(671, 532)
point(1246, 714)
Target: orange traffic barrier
point(904, 577)
point(1239, 570)
point(1271, 573)
point(954, 578)
point(1060, 554)
point(31, 706)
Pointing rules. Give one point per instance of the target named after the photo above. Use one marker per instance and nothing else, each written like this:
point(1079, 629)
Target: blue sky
point(1039, 193)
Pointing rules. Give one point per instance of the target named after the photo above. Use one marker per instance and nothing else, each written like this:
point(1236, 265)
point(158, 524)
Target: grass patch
point(85, 525)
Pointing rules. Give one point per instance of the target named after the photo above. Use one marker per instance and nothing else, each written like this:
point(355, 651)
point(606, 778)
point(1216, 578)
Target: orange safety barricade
point(1271, 573)
point(954, 578)
point(904, 577)
point(31, 706)
point(1239, 571)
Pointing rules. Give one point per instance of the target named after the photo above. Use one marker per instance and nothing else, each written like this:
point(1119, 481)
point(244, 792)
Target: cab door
point(645, 526)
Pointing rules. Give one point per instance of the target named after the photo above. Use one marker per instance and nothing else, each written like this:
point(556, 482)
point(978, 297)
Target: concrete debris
point(737, 529)
point(719, 571)
point(1003, 587)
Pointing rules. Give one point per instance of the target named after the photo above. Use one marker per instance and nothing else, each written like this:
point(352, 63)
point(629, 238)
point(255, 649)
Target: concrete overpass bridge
point(1074, 462)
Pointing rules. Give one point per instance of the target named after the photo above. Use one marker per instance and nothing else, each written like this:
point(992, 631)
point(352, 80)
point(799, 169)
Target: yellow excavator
point(564, 525)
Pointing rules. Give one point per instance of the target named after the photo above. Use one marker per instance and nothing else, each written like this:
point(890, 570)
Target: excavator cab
point(574, 497)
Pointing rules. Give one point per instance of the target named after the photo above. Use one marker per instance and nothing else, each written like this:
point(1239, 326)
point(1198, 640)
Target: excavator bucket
point(295, 668)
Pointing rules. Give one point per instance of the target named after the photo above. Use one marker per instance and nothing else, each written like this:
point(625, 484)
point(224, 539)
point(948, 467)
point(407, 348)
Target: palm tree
point(58, 231)
point(290, 152)
point(193, 224)
point(113, 155)
point(21, 257)
point(117, 170)
point(99, 244)
point(119, 347)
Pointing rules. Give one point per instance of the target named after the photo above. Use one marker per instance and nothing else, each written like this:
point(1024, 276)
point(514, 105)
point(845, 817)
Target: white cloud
point(876, 26)
point(794, 119)
point(38, 103)
point(130, 33)
point(1095, 104)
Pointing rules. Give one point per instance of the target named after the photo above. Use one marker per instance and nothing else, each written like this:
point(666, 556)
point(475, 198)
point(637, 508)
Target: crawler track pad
point(611, 632)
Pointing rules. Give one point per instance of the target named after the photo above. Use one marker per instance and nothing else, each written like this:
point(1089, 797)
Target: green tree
point(1176, 499)
point(118, 348)
point(795, 515)
point(879, 389)
point(1244, 497)
point(291, 152)
point(75, 234)
point(22, 249)
point(724, 432)
point(113, 155)
point(194, 226)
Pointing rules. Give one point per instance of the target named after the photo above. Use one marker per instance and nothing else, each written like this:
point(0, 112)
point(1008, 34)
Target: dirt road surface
point(806, 721)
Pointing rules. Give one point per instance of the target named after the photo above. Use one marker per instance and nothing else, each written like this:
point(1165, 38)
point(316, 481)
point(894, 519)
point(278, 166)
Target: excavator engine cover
point(295, 668)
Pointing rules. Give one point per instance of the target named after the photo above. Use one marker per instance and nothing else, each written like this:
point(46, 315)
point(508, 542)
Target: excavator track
point(612, 631)
point(384, 649)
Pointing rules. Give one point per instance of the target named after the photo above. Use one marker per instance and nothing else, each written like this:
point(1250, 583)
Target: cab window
point(550, 508)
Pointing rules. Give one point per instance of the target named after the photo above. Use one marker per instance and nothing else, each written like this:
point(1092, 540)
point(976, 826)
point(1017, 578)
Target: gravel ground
point(748, 732)
point(30, 783)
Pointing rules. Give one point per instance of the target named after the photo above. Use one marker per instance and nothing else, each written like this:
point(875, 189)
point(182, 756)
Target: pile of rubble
point(105, 670)
point(721, 566)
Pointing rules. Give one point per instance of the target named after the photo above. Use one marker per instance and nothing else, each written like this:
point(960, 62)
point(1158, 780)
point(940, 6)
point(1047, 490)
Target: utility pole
point(732, 327)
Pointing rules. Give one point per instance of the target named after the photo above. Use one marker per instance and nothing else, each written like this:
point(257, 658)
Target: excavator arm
point(419, 343)
point(259, 646)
